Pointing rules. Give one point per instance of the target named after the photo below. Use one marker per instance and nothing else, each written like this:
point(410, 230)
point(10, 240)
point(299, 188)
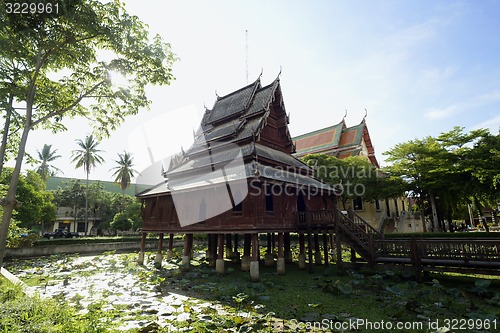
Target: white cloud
point(474, 102)
point(442, 113)
point(493, 124)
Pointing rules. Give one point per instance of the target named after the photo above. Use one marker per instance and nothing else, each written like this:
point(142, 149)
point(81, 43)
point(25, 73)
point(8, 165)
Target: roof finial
point(216, 94)
point(280, 71)
point(366, 114)
point(261, 72)
point(345, 115)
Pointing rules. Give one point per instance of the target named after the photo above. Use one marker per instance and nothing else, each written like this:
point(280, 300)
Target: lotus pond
point(124, 296)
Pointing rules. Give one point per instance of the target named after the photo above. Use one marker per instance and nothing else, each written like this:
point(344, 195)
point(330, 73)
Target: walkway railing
point(452, 254)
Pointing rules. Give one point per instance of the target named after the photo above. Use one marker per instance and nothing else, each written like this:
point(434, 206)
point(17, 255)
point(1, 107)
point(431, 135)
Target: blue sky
point(418, 67)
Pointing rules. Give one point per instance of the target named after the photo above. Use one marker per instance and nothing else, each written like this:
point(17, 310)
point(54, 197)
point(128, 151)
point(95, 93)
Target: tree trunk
point(87, 203)
point(450, 220)
point(3, 147)
point(422, 214)
point(435, 221)
point(481, 214)
point(10, 202)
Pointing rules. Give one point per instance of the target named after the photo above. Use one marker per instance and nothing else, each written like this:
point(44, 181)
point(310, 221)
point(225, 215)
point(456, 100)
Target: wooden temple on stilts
point(237, 181)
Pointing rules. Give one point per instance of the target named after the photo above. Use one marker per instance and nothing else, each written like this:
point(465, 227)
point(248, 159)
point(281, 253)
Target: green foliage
point(20, 314)
point(121, 222)
point(73, 40)
point(128, 219)
point(124, 171)
point(459, 168)
point(353, 177)
point(36, 203)
point(47, 155)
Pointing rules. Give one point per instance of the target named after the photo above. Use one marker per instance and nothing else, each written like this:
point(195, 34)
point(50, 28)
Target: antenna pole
point(246, 53)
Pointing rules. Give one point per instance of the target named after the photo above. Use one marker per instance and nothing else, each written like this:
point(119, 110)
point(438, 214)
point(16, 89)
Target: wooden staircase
point(358, 234)
point(353, 230)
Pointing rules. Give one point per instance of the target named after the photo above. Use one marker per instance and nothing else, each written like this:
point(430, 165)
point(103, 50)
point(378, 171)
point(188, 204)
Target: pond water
point(134, 292)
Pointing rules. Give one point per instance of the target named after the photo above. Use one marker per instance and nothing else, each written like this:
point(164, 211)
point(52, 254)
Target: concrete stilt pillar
point(280, 265)
point(170, 254)
point(254, 263)
point(219, 266)
point(254, 271)
point(245, 260)
point(245, 263)
point(219, 263)
point(158, 260)
point(269, 259)
point(140, 259)
point(302, 261)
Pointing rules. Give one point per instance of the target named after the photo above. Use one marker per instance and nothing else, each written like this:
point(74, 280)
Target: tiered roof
point(337, 140)
point(249, 124)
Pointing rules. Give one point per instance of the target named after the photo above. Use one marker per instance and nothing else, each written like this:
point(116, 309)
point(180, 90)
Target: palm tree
point(87, 157)
point(124, 173)
point(45, 156)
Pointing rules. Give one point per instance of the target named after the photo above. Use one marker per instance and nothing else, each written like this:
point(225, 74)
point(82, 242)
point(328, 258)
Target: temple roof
point(337, 140)
point(237, 128)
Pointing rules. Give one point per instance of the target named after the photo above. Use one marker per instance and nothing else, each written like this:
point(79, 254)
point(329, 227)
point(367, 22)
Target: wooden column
point(254, 263)
point(236, 254)
point(229, 246)
point(140, 260)
point(269, 257)
point(288, 252)
point(186, 255)
point(317, 250)
point(245, 260)
point(213, 239)
point(170, 251)
point(209, 253)
point(190, 243)
point(280, 264)
point(159, 253)
point(309, 252)
point(325, 247)
point(302, 251)
point(219, 263)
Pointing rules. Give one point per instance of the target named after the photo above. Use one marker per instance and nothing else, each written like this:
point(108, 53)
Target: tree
point(130, 218)
point(68, 42)
point(353, 176)
point(124, 172)
point(37, 207)
point(46, 156)
point(87, 157)
point(456, 167)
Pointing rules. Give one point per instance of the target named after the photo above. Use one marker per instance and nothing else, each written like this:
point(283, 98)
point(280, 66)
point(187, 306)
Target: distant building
point(73, 219)
point(392, 214)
